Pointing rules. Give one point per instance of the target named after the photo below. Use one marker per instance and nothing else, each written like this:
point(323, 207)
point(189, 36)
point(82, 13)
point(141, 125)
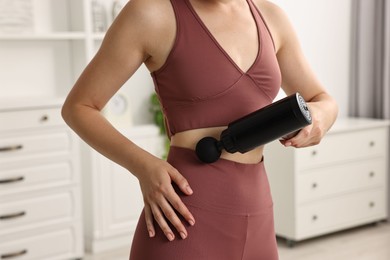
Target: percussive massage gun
point(282, 118)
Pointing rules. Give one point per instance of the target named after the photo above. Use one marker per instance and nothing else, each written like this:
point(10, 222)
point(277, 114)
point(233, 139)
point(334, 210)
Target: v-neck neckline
point(226, 54)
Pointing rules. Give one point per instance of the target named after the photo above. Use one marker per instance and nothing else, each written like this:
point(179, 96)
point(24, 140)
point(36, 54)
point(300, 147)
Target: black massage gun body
point(274, 121)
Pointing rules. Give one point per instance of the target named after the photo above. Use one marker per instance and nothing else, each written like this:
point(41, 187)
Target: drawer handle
point(314, 153)
point(315, 218)
point(372, 144)
point(372, 174)
point(314, 185)
point(11, 148)
point(12, 216)
point(12, 180)
point(372, 204)
point(13, 255)
point(44, 118)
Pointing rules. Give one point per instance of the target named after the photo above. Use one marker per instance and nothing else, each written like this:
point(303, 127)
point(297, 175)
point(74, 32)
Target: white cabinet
point(38, 67)
point(40, 200)
point(47, 60)
point(112, 196)
point(338, 184)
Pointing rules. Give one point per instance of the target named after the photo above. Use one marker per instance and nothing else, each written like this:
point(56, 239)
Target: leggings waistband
point(224, 186)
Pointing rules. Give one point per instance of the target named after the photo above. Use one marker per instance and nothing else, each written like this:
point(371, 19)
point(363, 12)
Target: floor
point(371, 242)
point(364, 243)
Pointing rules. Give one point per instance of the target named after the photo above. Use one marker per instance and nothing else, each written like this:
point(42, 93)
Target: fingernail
point(151, 233)
point(183, 235)
point(192, 222)
point(189, 190)
point(288, 144)
point(170, 237)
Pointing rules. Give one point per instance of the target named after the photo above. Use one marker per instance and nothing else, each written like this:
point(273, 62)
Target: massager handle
point(267, 124)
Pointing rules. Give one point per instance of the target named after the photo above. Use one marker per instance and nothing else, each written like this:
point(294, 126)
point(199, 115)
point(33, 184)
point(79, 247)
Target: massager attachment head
point(208, 149)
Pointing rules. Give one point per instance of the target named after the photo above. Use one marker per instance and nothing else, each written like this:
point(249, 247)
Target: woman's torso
point(236, 31)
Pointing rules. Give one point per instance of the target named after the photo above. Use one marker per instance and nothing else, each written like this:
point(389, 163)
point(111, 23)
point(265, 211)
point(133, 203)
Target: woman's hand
point(311, 134)
point(161, 200)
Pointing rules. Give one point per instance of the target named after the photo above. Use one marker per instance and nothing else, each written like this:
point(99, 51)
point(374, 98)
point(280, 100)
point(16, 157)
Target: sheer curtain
point(370, 77)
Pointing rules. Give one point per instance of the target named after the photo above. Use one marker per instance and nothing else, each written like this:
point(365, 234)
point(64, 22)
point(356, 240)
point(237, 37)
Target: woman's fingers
point(311, 134)
point(149, 221)
point(160, 219)
point(172, 217)
point(175, 200)
point(301, 139)
point(162, 203)
point(180, 207)
point(308, 136)
point(164, 210)
point(164, 213)
point(180, 181)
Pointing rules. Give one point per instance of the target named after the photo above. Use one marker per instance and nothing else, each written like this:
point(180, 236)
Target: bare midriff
point(189, 139)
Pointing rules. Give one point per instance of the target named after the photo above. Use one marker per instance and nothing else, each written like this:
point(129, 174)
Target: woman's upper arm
point(123, 50)
point(297, 75)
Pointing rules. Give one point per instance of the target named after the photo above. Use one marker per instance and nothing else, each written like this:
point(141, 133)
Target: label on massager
point(303, 107)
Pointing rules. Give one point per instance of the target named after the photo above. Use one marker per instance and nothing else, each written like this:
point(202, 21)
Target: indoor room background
point(61, 200)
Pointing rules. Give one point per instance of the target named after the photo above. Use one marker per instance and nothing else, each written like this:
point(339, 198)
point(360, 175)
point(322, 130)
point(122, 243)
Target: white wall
point(324, 30)
point(139, 88)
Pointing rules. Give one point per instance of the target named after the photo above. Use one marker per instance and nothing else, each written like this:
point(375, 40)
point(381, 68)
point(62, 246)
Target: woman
point(212, 62)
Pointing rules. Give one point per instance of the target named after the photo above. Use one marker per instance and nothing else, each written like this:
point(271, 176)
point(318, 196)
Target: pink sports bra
point(200, 86)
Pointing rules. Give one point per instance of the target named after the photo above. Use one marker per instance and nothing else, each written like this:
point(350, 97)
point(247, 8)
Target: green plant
point(155, 108)
point(158, 118)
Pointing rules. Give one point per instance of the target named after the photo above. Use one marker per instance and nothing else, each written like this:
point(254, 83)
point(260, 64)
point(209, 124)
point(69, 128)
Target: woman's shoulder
point(277, 21)
point(145, 26)
point(149, 12)
point(147, 22)
point(270, 9)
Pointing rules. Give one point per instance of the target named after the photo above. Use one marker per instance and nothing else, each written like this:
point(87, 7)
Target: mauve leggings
point(233, 211)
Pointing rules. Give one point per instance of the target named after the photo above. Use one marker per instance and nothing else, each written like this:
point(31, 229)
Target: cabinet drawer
point(57, 244)
point(13, 120)
point(17, 215)
point(330, 215)
point(327, 181)
point(341, 147)
point(37, 177)
point(18, 145)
